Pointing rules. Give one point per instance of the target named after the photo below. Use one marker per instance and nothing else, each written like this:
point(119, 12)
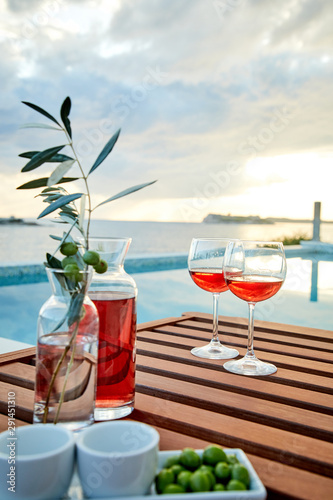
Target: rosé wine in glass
point(116, 350)
point(205, 265)
point(212, 281)
point(254, 288)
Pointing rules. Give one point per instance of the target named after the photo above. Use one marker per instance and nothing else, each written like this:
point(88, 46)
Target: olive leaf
point(41, 157)
point(59, 203)
point(52, 189)
point(58, 172)
point(39, 125)
point(37, 183)
point(64, 113)
point(69, 219)
point(52, 197)
point(75, 308)
point(54, 159)
point(125, 193)
point(42, 111)
point(105, 151)
point(67, 209)
point(53, 262)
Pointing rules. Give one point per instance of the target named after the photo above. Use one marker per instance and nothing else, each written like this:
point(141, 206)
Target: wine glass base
point(214, 351)
point(250, 366)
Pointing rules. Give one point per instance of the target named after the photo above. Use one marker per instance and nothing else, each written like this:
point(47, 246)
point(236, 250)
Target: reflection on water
point(314, 281)
point(321, 275)
point(312, 274)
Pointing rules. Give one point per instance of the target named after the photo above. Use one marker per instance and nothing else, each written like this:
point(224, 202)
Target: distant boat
point(15, 220)
point(236, 219)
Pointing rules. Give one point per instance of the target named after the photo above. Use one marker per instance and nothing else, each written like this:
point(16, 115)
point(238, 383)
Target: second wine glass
point(205, 264)
point(254, 271)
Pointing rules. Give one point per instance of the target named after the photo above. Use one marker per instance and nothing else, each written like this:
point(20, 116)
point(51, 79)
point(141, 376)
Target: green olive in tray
point(214, 470)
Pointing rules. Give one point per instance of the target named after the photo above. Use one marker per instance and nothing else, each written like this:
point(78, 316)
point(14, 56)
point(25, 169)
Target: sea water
point(29, 243)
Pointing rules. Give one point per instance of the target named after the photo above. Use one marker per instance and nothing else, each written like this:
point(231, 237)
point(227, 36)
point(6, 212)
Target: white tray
point(257, 490)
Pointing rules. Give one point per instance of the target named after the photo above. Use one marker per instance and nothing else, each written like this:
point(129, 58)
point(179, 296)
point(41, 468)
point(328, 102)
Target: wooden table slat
point(235, 335)
point(23, 355)
point(19, 374)
point(24, 401)
point(265, 326)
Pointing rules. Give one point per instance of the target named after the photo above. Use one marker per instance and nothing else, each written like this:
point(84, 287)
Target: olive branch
point(60, 200)
point(56, 196)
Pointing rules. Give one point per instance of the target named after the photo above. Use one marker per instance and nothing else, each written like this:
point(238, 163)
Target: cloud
point(194, 86)
point(18, 6)
point(305, 24)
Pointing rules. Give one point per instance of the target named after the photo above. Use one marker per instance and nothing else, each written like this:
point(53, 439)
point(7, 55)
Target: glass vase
point(114, 294)
point(66, 357)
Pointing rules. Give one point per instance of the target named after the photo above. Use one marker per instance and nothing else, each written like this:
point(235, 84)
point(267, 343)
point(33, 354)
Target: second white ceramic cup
point(117, 458)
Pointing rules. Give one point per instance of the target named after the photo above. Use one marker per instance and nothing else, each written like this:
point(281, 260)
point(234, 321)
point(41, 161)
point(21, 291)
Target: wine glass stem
point(250, 351)
point(215, 338)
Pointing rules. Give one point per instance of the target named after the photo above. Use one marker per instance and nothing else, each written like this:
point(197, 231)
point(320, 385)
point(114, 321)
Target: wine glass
point(205, 264)
point(254, 271)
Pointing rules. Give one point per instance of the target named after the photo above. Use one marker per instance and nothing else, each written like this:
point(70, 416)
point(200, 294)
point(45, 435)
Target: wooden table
point(283, 422)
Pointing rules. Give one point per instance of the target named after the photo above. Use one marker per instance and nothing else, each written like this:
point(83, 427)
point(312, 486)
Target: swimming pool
point(305, 299)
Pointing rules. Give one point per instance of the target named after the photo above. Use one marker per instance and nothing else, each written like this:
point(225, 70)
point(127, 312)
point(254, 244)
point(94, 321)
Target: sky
point(227, 103)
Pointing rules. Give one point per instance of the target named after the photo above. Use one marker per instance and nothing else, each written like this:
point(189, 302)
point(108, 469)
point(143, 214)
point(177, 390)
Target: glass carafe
point(114, 294)
point(66, 357)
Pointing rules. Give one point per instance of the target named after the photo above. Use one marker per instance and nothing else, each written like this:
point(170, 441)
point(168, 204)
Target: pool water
point(306, 299)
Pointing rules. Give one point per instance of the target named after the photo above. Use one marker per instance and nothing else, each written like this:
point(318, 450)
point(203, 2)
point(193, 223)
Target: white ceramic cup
point(36, 462)
point(117, 458)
